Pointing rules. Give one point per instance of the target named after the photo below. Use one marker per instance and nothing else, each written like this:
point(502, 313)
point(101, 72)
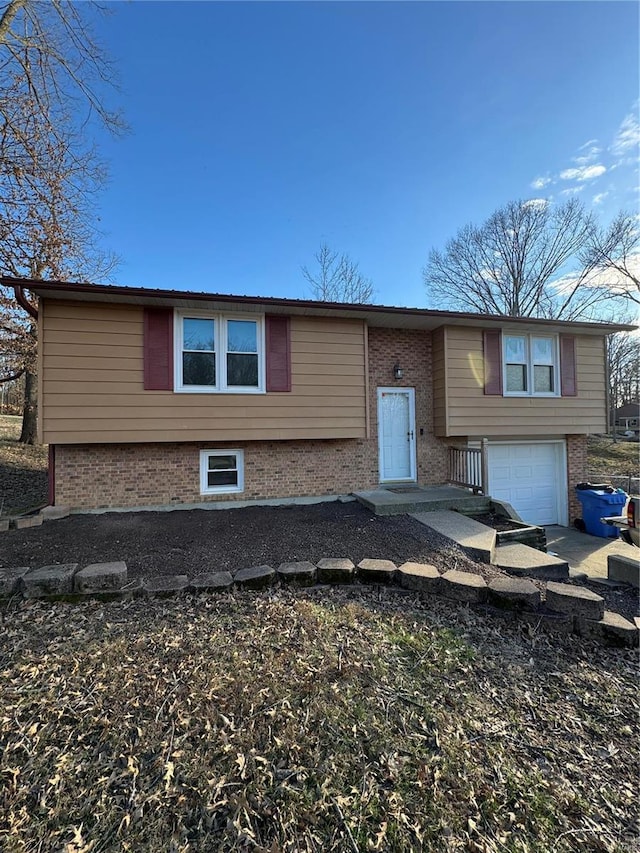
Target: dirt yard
point(195, 541)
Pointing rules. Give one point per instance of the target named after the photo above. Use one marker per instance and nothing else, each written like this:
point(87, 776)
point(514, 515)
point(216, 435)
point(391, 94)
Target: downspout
point(23, 302)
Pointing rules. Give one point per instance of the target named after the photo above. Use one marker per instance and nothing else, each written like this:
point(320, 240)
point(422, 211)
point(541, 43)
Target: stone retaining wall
point(568, 608)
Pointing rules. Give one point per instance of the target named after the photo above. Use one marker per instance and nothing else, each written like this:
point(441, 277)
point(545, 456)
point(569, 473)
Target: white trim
point(220, 352)
point(411, 396)
point(205, 488)
point(562, 496)
point(529, 365)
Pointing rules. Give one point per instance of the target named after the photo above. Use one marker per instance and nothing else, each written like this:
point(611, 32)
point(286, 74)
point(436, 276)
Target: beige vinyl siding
point(471, 412)
point(92, 385)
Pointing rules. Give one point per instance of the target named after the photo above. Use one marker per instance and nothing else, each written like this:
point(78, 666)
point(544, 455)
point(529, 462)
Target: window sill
point(203, 390)
point(521, 394)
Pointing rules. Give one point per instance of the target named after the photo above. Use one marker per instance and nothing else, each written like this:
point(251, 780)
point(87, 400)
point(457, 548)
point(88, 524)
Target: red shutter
point(158, 349)
point(568, 384)
point(278, 340)
point(493, 362)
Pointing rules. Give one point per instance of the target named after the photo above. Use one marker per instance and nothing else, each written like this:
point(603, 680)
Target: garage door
point(530, 477)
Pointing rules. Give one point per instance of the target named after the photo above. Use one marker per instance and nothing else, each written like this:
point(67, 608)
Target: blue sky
point(259, 130)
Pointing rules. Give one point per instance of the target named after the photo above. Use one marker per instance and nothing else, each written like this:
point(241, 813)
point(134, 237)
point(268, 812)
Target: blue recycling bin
point(597, 504)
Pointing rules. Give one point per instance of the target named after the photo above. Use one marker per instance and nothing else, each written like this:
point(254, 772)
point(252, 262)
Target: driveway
point(584, 552)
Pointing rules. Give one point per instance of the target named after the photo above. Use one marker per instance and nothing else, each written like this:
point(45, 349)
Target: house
point(626, 418)
point(157, 397)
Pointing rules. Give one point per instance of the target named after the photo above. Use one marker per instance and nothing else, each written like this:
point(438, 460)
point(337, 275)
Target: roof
point(375, 315)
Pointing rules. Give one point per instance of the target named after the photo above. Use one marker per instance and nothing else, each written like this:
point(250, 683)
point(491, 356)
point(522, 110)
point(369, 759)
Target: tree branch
point(7, 17)
point(11, 377)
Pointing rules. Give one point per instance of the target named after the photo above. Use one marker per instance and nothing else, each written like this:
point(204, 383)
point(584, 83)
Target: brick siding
point(121, 475)
point(410, 349)
point(576, 471)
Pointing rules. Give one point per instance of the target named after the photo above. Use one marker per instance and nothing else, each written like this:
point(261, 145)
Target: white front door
point(396, 434)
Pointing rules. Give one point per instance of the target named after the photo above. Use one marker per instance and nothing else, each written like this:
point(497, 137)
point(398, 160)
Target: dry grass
point(327, 721)
point(609, 458)
point(10, 427)
point(23, 470)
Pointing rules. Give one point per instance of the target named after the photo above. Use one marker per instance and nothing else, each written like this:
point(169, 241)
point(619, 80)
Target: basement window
point(221, 471)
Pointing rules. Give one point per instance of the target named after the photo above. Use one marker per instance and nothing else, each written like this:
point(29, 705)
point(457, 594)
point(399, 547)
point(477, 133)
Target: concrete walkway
point(587, 553)
point(477, 540)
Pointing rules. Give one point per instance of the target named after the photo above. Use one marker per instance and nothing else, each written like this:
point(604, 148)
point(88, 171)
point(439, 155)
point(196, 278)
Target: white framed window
point(221, 471)
point(219, 353)
point(530, 365)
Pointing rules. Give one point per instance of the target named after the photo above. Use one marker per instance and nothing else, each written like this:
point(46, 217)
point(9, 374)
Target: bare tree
point(612, 258)
point(52, 73)
point(50, 46)
point(510, 264)
point(47, 230)
point(623, 357)
point(338, 279)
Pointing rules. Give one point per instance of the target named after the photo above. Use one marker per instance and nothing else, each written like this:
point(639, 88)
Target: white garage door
point(530, 477)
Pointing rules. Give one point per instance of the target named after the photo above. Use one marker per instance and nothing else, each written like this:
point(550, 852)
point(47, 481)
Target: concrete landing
point(477, 540)
point(413, 499)
point(521, 559)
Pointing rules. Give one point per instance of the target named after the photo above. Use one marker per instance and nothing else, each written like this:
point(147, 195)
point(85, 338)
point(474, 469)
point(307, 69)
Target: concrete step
point(523, 560)
point(429, 498)
point(477, 540)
